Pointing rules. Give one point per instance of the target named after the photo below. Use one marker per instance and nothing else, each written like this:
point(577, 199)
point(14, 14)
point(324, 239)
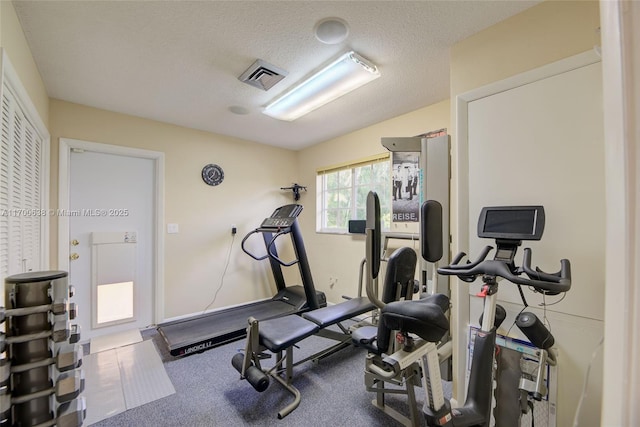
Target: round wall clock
point(212, 174)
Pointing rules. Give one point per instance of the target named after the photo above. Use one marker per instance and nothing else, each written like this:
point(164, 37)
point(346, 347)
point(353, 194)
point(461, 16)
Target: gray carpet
point(209, 392)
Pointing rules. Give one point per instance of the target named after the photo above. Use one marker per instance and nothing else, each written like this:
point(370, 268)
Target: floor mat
point(123, 378)
point(107, 342)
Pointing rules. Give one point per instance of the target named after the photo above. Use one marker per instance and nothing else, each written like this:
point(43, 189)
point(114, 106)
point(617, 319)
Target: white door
point(111, 233)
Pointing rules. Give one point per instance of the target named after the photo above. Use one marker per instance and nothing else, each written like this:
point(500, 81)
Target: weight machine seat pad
point(336, 313)
point(366, 336)
point(280, 333)
point(421, 317)
point(440, 300)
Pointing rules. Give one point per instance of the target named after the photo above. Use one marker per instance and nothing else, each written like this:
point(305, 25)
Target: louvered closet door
point(4, 188)
point(31, 200)
point(21, 213)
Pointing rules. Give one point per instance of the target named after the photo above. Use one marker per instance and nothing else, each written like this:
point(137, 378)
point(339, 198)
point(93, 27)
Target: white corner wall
point(621, 70)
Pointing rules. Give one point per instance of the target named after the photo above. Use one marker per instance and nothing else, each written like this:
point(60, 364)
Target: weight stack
point(41, 379)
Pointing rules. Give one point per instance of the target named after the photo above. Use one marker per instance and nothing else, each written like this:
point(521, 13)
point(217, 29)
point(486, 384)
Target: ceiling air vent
point(262, 75)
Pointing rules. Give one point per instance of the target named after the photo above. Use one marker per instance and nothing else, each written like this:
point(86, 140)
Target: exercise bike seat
point(424, 317)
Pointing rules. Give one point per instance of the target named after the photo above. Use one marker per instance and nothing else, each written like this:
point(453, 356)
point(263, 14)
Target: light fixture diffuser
point(341, 76)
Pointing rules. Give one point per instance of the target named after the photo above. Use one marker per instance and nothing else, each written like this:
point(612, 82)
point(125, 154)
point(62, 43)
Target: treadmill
point(199, 333)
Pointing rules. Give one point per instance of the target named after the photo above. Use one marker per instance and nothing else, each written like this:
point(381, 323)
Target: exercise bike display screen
point(511, 222)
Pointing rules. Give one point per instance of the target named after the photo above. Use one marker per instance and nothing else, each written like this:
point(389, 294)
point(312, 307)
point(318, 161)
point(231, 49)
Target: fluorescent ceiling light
point(348, 72)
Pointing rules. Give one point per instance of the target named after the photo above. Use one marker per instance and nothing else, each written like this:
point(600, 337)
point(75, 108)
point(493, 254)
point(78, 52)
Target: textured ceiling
point(179, 61)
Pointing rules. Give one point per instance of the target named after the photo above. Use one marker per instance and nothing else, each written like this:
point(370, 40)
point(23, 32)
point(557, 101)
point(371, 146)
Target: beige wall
point(14, 43)
point(338, 256)
point(551, 31)
point(546, 33)
point(541, 35)
point(195, 257)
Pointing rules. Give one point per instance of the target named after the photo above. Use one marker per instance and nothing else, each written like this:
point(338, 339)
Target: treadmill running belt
point(197, 334)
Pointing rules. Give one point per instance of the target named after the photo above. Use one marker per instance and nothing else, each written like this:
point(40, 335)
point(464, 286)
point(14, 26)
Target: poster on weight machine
point(407, 181)
point(405, 186)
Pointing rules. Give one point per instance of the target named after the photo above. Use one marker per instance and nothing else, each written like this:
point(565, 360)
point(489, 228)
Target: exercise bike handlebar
point(551, 282)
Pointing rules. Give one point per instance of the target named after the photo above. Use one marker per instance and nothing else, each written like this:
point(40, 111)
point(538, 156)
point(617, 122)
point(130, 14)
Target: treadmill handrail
point(246, 251)
point(269, 253)
point(275, 257)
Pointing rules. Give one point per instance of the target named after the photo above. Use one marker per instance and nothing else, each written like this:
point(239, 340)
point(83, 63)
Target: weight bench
point(281, 334)
point(332, 314)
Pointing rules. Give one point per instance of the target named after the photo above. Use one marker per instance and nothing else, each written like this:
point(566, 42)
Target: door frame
point(66, 145)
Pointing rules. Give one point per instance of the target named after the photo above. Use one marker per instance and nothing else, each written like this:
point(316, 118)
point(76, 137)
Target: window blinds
point(354, 164)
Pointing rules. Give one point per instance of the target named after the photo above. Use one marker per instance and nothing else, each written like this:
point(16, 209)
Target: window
point(342, 193)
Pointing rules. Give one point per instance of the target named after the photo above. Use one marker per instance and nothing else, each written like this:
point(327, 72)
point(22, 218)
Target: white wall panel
point(542, 143)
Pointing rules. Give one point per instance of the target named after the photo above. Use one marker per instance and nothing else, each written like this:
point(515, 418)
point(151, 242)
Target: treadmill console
point(282, 217)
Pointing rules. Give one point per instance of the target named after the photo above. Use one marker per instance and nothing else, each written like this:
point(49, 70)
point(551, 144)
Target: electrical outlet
point(234, 229)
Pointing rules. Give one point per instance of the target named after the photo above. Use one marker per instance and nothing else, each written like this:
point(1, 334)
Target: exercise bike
point(509, 226)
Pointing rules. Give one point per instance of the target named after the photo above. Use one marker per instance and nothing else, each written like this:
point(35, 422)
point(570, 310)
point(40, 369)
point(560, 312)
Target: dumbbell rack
point(40, 377)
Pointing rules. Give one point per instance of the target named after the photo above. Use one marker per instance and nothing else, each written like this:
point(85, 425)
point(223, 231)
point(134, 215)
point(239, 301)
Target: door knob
point(74, 256)
point(75, 242)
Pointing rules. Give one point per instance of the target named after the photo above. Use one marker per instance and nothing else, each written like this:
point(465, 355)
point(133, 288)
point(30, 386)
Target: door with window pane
point(111, 211)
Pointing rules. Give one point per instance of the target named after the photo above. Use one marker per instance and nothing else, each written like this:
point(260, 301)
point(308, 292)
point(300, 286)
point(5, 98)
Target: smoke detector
point(262, 75)
point(331, 30)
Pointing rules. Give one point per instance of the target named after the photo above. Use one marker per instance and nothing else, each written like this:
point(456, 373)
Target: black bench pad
point(366, 337)
point(282, 332)
point(332, 314)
